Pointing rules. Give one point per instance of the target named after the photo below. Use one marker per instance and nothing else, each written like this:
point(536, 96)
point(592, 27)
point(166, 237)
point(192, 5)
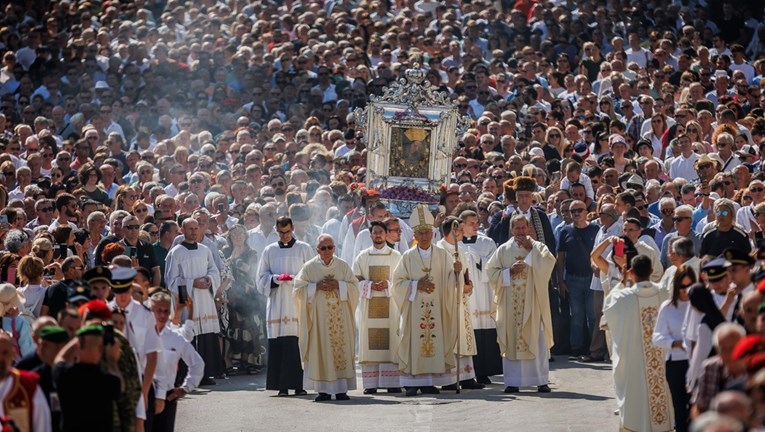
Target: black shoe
point(411, 391)
point(471, 385)
point(450, 387)
point(484, 380)
point(575, 354)
point(429, 390)
point(370, 391)
point(544, 389)
point(323, 397)
point(590, 359)
point(207, 381)
point(512, 390)
point(394, 390)
point(300, 392)
point(342, 396)
point(283, 393)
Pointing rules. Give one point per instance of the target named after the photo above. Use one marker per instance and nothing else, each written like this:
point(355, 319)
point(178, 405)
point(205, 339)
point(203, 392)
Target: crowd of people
point(184, 181)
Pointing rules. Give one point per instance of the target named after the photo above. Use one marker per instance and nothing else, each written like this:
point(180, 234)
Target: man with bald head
point(190, 271)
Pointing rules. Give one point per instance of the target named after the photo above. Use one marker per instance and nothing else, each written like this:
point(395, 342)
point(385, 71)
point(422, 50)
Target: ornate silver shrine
point(410, 133)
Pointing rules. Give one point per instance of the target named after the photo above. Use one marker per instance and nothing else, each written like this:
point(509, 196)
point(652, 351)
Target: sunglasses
point(326, 248)
point(576, 211)
point(722, 212)
point(153, 233)
point(679, 218)
point(141, 210)
point(757, 190)
point(131, 227)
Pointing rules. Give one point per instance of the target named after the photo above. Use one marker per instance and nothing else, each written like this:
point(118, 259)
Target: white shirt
point(33, 294)
point(140, 329)
point(682, 167)
point(258, 241)
point(669, 328)
point(175, 347)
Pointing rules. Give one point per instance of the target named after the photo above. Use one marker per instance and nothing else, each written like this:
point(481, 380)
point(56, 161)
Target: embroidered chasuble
point(378, 324)
point(429, 324)
point(523, 304)
point(327, 328)
point(642, 393)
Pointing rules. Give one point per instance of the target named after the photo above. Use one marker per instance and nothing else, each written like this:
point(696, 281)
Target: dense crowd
point(155, 153)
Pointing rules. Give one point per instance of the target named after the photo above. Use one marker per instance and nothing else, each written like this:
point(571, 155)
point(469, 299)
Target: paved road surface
point(582, 400)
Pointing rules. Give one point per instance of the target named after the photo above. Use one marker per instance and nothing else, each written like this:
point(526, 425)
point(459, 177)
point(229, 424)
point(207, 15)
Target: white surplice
point(186, 262)
point(277, 259)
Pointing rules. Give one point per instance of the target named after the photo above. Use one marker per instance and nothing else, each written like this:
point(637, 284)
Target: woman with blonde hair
point(124, 198)
point(140, 210)
point(556, 139)
point(31, 274)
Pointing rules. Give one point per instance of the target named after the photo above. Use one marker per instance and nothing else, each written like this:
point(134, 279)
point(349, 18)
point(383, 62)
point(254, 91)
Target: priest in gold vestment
point(326, 294)
point(642, 392)
point(378, 323)
point(519, 272)
point(425, 290)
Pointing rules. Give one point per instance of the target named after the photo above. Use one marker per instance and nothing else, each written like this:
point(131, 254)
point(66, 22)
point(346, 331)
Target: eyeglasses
point(279, 184)
point(757, 190)
point(326, 248)
point(679, 218)
point(576, 211)
point(141, 210)
point(460, 166)
point(722, 212)
point(131, 227)
point(554, 135)
point(667, 211)
point(196, 181)
point(45, 210)
point(153, 233)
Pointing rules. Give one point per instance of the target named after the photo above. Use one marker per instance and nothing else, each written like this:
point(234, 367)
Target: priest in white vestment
point(466, 348)
point(642, 392)
point(191, 265)
point(479, 248)
point(425, 290)
point(279, 264)
point(379, 316)
point(520, 272)
point(326, 293)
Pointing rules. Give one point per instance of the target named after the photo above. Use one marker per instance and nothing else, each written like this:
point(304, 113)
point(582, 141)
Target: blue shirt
point(578, 242)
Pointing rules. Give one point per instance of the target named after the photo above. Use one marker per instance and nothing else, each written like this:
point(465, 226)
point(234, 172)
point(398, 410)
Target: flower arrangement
point(407, 193)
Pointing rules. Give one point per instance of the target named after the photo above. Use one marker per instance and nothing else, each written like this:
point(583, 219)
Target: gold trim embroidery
point(427, 324)
point(517, 294)
point(467, 322)
point(658, 403)
point(379, 339)
point(336, 329)
point(379, 308)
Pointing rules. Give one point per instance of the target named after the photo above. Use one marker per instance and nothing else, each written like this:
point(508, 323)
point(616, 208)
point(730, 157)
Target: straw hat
point(10, 298)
